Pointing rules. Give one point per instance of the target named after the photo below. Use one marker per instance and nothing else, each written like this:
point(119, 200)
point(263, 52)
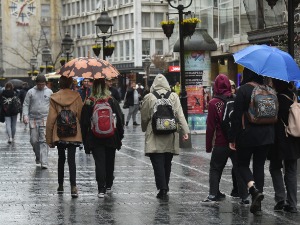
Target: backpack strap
point(159, 96)
point(294, 97)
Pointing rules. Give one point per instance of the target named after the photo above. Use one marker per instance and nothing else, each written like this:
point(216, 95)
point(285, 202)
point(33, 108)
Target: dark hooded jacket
point(7, 103)
point(250, 134)
point(214, 133)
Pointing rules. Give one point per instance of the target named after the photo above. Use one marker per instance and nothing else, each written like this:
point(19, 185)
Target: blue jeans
point(11, 123)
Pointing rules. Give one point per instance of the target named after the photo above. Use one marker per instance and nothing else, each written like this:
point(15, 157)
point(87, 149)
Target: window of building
point(127, 21)
point(145, 19)
point(115, 23)
point(82, 5)
point(83, 29)
point(158, 17)
point(121, 21)
point(88, 28)
point(78, 52)
point(127, 50)
point(116, 51)
point(93, 6)
point(236, 20)
point(146, 47)
point(73, 9)
point(45, 10)
point(131, 20)
point(78, 35)
point(121, 50)
point(88, 5)
point(109, 3)
point(132, 48)
point(159, 47)
point(226, 20)
point(69, 9)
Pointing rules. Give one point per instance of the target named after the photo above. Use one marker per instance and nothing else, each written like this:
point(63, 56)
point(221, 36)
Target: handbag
point(125, 106)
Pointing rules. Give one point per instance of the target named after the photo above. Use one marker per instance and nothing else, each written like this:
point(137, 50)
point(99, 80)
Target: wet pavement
point(28, 193)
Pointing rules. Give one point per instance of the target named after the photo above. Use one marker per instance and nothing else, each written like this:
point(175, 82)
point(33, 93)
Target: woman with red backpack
point(99, 137)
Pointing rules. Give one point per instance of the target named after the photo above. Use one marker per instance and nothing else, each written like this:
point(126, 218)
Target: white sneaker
point(9, 140)
point(101, 195)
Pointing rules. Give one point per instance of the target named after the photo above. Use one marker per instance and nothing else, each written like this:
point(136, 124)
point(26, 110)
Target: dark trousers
point(259, 154)
point(218, 161)
point(71, 149)
point(161, 163)
point(104, 166)
point(290, 180)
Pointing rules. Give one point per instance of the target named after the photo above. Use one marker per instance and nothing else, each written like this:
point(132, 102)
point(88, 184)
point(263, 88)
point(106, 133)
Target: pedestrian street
point(28, 193)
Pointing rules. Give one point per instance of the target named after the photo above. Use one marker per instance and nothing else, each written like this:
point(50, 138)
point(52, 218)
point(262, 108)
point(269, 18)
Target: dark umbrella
point(16, 82)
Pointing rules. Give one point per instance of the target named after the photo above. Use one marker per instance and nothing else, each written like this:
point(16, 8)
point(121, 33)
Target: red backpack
point(103, 122)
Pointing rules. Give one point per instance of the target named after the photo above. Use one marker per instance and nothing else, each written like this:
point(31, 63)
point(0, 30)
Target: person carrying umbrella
point(102, 148)
point(284, 153)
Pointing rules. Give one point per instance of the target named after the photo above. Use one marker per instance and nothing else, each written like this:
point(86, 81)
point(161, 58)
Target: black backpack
point(227, 114)
point(66, 123)
point(163, 118)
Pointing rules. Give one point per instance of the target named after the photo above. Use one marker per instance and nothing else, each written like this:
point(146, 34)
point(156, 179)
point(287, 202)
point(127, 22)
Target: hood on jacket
point(160, 82)
point(222, 85)
point(65, 97)
point(8, 93)
point(249, 75)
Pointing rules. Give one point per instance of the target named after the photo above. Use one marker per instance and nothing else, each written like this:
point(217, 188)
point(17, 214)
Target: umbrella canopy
point(268, 61)
point(89, 68)
point(17, 83)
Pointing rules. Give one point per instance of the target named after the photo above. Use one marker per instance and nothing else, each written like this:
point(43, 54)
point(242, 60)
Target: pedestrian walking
point(114, 92)
point(162, 147)
point(103, 148)
point(85, 90)
point(10, 106)
point(217, 143)
point(133, 101)
point(35, 112)
point(284, 153)
point(250, 140)
point(64, 101)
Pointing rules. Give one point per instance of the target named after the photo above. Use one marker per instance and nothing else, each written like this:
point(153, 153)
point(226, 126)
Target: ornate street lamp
point(147, 62)
point(180, 7)
point(46, 56)
point(67, 45)
point(33, 64)
point(104, 23)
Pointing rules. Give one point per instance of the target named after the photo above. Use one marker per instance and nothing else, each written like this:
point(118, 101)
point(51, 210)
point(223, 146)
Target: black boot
point(162, 194)
point(257, 197)
point(126, 123)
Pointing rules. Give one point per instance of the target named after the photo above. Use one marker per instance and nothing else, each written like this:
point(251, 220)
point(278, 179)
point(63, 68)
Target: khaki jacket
point(161, 143)
point(63, 98)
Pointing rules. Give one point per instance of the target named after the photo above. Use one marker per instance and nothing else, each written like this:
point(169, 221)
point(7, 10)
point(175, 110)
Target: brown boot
point(74, 192)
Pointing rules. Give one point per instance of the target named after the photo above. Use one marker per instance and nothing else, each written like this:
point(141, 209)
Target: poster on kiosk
point(197, 73)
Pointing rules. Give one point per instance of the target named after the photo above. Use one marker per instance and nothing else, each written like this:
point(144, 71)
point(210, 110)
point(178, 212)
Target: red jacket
point(214, 133)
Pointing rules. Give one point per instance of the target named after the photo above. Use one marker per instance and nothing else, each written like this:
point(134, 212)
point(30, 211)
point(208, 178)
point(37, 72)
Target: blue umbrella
point(268, 61)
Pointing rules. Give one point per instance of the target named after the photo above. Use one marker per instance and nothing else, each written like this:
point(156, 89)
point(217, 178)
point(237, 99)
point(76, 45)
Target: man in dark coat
point(114, 92)
point(85, 90)
point(286, 149)
point(249, 140)
point(133, 101)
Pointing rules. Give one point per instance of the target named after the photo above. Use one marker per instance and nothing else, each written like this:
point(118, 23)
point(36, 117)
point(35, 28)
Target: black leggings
point(71, 162)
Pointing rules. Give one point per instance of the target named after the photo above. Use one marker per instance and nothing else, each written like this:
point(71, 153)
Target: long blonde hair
point(100, 90)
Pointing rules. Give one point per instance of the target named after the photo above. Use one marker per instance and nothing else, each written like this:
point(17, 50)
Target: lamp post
point(33, 64)
point(67, 45)
point(46, 56)
point(147, 63)
point(180, 7)
point(104, 23)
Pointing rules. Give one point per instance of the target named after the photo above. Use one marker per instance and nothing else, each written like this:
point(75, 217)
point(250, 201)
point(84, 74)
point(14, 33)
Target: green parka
point(161, 143)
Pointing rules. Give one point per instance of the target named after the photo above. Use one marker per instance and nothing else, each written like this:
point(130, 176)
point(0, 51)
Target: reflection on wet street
point(28, 193)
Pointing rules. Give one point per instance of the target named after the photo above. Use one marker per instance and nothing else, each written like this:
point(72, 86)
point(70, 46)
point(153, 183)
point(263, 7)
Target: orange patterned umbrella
point(88, 68)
